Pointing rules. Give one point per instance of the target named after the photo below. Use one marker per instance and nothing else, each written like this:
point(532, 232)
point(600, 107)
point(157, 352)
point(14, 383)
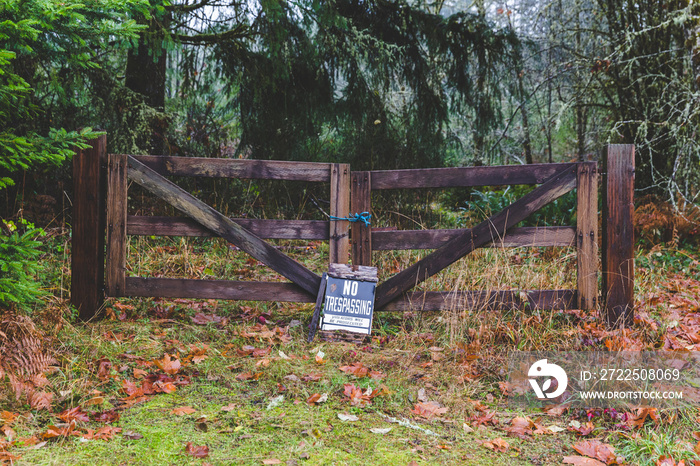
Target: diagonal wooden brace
point(223, 226)
point(489, 230)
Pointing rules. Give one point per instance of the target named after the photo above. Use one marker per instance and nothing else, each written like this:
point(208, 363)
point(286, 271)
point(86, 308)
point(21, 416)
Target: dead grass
point(455, 358)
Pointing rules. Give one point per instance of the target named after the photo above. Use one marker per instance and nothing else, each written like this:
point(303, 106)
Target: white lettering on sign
point(343, 305)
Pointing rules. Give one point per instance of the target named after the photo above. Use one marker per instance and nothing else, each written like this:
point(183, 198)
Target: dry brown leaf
point(521, 427)
point(497, 444)
point(356, 395)
point(74, 414)
point(198, 451)
point(429, 409)
point(598, 450)
point(183, 411)
point(169, 365)
point(8, 417)
point(582, 461)
point(40, 400)
point(271, 461)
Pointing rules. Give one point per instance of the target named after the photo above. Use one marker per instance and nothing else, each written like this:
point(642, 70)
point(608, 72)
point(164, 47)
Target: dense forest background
point(379, 84)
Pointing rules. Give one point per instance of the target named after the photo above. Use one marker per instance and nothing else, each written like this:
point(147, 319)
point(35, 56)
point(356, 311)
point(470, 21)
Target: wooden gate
point(354, 188)
point(555, 180)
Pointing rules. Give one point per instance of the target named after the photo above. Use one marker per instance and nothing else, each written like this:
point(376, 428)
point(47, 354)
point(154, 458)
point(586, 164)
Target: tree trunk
point(146, 68)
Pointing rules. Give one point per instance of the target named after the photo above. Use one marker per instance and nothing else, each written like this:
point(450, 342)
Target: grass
point(423, 356)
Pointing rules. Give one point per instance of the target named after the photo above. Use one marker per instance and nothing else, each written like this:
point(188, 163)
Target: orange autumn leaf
point(107, 432)
point(74, 414)
point(198, 451)
point(582, 461)
point(168, 364)
point(356, 396)
point(357, 369)
point(8, 417)
point(249, 376)
point(429, 409)
point(497, 444)
point(597, 450)
point(183, 411)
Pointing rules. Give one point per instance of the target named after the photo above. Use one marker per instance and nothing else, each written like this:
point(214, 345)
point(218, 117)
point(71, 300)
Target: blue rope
point(363, 217)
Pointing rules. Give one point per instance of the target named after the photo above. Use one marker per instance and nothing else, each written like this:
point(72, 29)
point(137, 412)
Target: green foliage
point(19, 252)
point(45, 48)
point(370, 83)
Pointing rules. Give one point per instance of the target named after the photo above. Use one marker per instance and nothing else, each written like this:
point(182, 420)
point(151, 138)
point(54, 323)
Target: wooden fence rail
point(350, 192)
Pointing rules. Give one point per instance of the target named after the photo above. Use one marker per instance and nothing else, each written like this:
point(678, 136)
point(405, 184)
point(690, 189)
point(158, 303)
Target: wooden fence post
point(88, 232)
point(587, 235)
point(115, 276)
point(339, 245)
point(361, 233)
point(618, 236)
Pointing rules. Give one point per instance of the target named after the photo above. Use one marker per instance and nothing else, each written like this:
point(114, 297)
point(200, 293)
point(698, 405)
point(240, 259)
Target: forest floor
point(178, 381)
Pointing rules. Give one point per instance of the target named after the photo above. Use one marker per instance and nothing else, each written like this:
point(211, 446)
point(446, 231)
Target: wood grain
point(269, 229)
point(216, 289)
point(339, 245)
point(361, 234)
point(469, 240)
point(223, 226)
point(433, 239)
point(116, 225)
point(587, 235)
point(88, 235)
point(353, 272)
point(618, 240)
point(466, 176)
point(236, 168)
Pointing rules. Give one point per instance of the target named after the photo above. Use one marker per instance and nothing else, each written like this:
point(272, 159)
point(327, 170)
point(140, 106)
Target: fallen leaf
point(183, 411)
point(131, 435)
point(198, 451)
point(582, 461)
point(357, 369)
point(381, 431)
point(317, 398)
point(348, 417)
point(271, 461)
point(8, 432)
point(355, 395)
point(74, 414)
point(228, 407)
point(204, 319)
point(104, 368)
point(106, 416)
point(40, 400)
point(429, 409)
point(107, 432)
point(98, 400)
point(497, 444)
point(168, 364)
point(319, 357)
point(598, 450)
point(8, 417)
point(521, 427)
